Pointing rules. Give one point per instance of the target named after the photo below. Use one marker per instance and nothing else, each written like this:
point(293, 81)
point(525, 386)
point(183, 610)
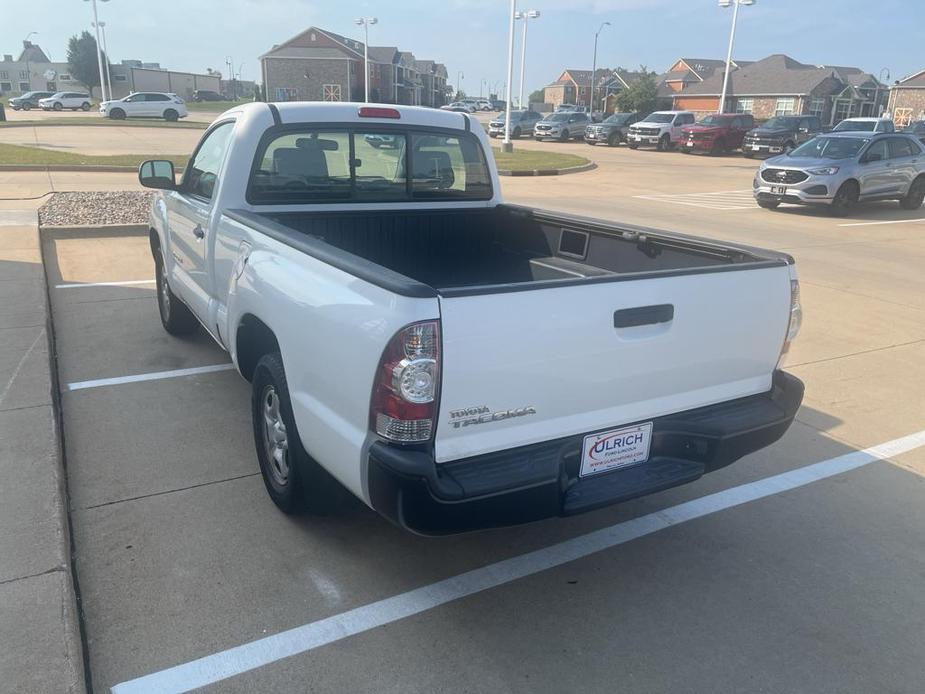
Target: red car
point(716, 134)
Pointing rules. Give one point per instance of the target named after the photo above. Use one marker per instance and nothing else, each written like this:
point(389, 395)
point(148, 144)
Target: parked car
point(164, 105)
point(522, 123)
point(29, 100)
point(562, 108)
point(498, 104)
point(207, 95)
point(842, 169)
point(398, 324)
point(869, 125)
point(459, 106)
point(612, 130)
point(483, 105)
point(562, 126)
point(716, 133)
point(379, 140)
point(916, 129)
point(780, 134)
point(662, 129)
point(62, 100)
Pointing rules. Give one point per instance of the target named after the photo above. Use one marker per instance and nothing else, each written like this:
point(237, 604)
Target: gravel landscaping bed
point(70, 209)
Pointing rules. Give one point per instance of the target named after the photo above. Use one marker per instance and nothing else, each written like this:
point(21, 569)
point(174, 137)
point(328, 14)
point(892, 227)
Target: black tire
point(748, 155)
point(845, 199)
point(613, 140)
point(85, 106)
point(294, 481)
point(171, 116)
point(58, 106)
point(789, 147)
point(685, 150)
point(117, 114)
point(516, 133)
point(176, 318)
point(489, 134)
point(664, 143)
point(719, 147)
point(634, 145)
point(563, 136)
point(915, 196)
point(769, 204)
point(27, 107)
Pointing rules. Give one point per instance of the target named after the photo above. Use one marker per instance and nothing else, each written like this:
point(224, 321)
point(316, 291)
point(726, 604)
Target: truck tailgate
point(522, 367)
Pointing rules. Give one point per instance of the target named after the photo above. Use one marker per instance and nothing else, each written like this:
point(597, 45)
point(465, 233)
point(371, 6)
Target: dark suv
point(612, 129)
point(916, 129)
point(207, 95)
point(781, 135)
point(29, 100)
point(717, 133)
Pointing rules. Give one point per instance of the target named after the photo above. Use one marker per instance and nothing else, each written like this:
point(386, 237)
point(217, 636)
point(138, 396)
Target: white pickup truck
point(454, 361)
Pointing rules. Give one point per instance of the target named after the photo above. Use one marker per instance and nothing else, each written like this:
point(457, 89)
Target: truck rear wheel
point(176, 318)
point(294, 481)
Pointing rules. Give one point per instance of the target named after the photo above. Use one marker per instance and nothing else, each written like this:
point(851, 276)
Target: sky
point(470, 36)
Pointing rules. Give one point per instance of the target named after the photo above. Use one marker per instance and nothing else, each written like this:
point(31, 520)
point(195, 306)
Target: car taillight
point(796, 318)
point(403, 407)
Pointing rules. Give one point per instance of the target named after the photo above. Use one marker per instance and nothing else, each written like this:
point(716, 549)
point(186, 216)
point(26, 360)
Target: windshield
point(559, 117)
point(855, 126)
point(619, 118)
point(715, 120)
point(659, 118)
point(515, 116)
point(307, 165)
point(831, 148)
point(782, 123)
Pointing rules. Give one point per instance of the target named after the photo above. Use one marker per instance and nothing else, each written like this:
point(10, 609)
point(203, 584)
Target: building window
point(4, 75)
point(817, 107)
point(286, 94)
point(785, 107)
point(330, 92)
point(23, 74)
point(120, 78)
point(6, 86)
point(64, 78)
point(24, 86)
point(744, 105)
point(902, 117)
point(842, 110)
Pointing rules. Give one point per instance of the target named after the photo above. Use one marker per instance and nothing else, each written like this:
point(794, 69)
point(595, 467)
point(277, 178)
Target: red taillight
point(404, 401)
point(378, 112)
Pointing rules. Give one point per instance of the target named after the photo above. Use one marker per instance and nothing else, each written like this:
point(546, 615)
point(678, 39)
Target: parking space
point(775, 574)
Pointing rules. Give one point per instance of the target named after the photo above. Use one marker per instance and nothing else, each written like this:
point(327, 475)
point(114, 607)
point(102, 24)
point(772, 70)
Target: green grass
point(17, 155)
point(214, 106)
point(104, 122)
point(531, 159)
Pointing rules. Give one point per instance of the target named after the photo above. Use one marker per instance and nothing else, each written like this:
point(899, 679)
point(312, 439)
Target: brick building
point(319, 65)
point(907, 99)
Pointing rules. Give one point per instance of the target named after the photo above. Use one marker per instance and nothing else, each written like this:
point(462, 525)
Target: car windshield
point(659, 118)
point(515, 116)
point(830, 148)
point(619, 118)
point(855, 126)
point(782, 122)
point(558, 117)
point(715, 120)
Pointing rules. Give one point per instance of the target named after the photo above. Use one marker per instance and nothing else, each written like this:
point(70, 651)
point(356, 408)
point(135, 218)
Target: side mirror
point(157, 173)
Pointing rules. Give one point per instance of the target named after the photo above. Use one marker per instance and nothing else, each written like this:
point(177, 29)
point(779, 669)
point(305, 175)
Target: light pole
point(507, 145)
point(229, 63)
point(525, 15)
point(26, 51)
point(99, 50)
point(594, 67)
point(459, 79)
point(879, 82)
point(732, 37)
point(106, 53)
point(365, 22)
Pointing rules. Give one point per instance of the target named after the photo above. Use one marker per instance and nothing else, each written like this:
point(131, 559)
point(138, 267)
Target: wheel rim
point(918, 190)
point(275, 437)
point(843, 198)
point(164, 293)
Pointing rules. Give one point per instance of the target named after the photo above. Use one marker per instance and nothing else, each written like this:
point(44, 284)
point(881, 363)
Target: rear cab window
point(306, 164)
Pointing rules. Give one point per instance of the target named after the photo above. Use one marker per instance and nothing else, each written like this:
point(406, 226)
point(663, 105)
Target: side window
point(157, 97)
point(877, 151)
point(203, 168)
point(901, 147)
point(135, 98)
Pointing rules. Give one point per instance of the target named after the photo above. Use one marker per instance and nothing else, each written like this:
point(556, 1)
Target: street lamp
point(507, 146)
point(525, 15)
point(365, 22)
point(732, 37)
point(594, 67)
point(106, 53)
point(879, 82)
point(459, 79)
point(99, 52)
point(26, 51)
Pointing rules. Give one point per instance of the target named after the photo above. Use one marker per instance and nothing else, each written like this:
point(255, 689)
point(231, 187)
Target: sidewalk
point(23, 189)
point(39, 627)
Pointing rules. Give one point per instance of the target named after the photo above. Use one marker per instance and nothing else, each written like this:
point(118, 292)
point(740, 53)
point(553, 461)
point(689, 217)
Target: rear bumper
point(541, 480)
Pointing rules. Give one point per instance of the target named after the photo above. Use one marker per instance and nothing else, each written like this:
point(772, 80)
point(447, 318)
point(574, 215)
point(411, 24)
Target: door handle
point(643, 315)
point(198, 232)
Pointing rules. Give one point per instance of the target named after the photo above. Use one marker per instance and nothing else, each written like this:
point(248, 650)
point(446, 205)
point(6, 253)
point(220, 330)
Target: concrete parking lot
point(744, 581)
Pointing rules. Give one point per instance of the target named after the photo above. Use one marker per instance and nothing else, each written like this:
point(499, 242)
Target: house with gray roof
point(907, 99)
point(779, 85)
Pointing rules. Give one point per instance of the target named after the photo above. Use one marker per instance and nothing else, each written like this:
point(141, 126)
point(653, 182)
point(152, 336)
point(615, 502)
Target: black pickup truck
point(780, 135)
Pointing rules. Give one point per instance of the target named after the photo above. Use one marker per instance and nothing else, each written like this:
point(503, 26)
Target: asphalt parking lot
point(767, 576)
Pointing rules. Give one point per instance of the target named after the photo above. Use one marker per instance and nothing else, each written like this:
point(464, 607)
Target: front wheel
point(176, 318)
point(749, 155)
point(85, 106)
point(664, 143)
point(58, 106)
point(769, 204)
point(916, 195)
point(27, 107)
point(719, 147)
point(845, 199)
point(294, 481)
point(563, 137)
point(516, 134)
point(634, 145)
point(613, 140)
point(117, 114)
point(171, 116)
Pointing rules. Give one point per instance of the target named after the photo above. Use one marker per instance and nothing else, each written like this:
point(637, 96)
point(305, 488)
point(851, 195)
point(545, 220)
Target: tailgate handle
point(643, 315)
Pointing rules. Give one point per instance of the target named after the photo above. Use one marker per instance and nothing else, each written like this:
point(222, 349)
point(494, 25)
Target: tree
point(81, 57)
point(641, 95)
point(537, 97)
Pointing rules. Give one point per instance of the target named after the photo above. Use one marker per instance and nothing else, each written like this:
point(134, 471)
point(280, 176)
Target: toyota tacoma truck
point(454, 361)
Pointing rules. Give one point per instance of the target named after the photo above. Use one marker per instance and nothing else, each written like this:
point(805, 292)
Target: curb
point(93, 230)
point(550, 172)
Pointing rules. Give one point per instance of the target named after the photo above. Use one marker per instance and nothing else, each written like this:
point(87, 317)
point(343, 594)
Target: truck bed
point(504, 247)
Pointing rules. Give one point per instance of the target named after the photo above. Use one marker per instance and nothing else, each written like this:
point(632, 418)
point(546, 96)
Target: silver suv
point(562, 125)
point(522, 123)
point(843, 169)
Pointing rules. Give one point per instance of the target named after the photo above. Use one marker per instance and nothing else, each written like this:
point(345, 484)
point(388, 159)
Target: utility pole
point(365, 22)
point(594, 68)
point(525, 15)
point(732, 37)
point(507, 145)
point(99, 50)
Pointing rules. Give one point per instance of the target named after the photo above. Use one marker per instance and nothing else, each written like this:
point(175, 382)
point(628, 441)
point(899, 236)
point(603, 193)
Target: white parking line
point(873, 224)
point(83, 285)
point(249, 656)
point(720, 200)
point(153, 376)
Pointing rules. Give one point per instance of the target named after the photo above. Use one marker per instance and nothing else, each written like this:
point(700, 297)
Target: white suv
point(662, 129)
point(170, 107)
point(63, 100)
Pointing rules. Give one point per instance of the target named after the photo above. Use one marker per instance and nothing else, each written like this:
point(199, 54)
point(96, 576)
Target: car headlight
point(825, 171)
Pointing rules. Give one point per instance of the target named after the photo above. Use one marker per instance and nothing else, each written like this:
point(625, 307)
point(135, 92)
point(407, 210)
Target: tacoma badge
point(482, 415)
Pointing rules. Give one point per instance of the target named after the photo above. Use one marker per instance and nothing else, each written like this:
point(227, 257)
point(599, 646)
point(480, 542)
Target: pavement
point(65, 116)
point(104, 140)
point(797, 569)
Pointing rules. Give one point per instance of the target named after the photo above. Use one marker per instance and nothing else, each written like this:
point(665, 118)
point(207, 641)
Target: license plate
point(756, 148)
point(615, 449)
point(779, 190)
